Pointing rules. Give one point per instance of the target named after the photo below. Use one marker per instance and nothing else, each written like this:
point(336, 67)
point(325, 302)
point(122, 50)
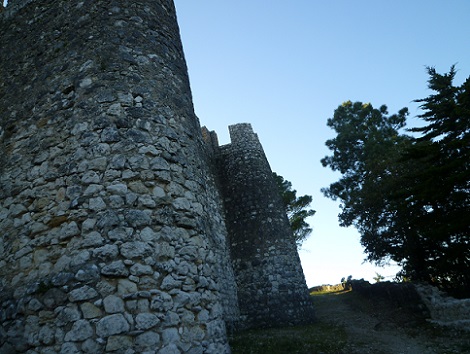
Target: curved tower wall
point(111, 232)
point(271, 285)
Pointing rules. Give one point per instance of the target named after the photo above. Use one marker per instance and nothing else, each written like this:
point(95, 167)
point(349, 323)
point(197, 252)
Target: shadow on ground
point(350, 322)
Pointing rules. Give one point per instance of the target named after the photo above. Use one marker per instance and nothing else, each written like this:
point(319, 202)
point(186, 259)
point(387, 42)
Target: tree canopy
point(296, 209)
point(408, 196)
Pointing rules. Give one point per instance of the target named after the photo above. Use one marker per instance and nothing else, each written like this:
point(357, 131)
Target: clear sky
point(284, 66)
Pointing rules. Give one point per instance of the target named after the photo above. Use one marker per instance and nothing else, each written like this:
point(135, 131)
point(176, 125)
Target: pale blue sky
point(284, 66)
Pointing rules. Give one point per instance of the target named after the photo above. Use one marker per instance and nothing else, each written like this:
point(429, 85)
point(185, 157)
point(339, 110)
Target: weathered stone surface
point(119, 188)
point(91, 177)
point(141, 269)
point(147, 341)
point(69, 348)
point(170, 335)
point(112, 325)
point(106, 252)
point(88, 273)
point(35, 305)
point(135, 249)
point(169, 283)
point(82, 294)
point(161, 301)
point(81, 330)
point(115, 269)
point(47, 335)
point(126, 287)
point(91, 346)
point(164, 249)
point(89, 310)
point(148, 235)
point(80, 258)
point(118, 343)
point(105, 288)
point(97, 204)
point(138, 187)
point(193, 334)
point(93, 239)
point(113, 304)
point(69, 230)
point(159, 192)
point(145, 321)
point(119, 234)
point(68, 314)
point(173, 349)
point(138, 218)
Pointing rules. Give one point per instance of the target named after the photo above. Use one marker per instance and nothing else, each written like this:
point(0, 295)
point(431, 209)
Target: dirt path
point(351, 323)
point(368, 330)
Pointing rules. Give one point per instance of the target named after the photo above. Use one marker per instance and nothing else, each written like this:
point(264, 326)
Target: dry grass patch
point(315, 338)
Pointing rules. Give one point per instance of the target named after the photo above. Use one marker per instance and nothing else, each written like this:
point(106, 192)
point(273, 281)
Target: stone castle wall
point(271, 285)
point(113, 230)
point(112, 236)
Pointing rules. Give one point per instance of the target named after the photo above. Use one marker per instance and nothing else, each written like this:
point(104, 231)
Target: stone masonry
point(122, 229)
point(264, 256)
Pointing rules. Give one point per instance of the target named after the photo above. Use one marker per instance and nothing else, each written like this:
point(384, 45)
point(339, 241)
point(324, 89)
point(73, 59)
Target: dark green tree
point(296, 208)
point(442, 184)
point(408, 197)
point(365, 151)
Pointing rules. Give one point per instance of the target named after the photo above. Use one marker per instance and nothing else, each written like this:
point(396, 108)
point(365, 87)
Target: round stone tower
point(112, 238)
point(271, 285)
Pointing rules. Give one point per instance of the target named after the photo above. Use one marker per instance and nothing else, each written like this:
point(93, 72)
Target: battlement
point(243, 134)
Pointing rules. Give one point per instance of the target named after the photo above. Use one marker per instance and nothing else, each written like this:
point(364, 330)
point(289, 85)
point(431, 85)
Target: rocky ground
point(376, 326)
point(355, 322)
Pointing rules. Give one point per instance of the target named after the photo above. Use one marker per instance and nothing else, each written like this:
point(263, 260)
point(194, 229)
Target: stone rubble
point(445, 310)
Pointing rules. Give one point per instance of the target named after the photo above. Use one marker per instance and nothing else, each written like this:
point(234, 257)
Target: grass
point(316, 338)
point(324, 292)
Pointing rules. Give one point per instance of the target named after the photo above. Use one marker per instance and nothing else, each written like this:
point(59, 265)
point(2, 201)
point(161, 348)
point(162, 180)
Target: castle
point(125, 227)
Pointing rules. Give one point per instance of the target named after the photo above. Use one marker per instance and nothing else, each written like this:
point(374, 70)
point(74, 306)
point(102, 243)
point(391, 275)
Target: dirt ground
point(379, 328)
